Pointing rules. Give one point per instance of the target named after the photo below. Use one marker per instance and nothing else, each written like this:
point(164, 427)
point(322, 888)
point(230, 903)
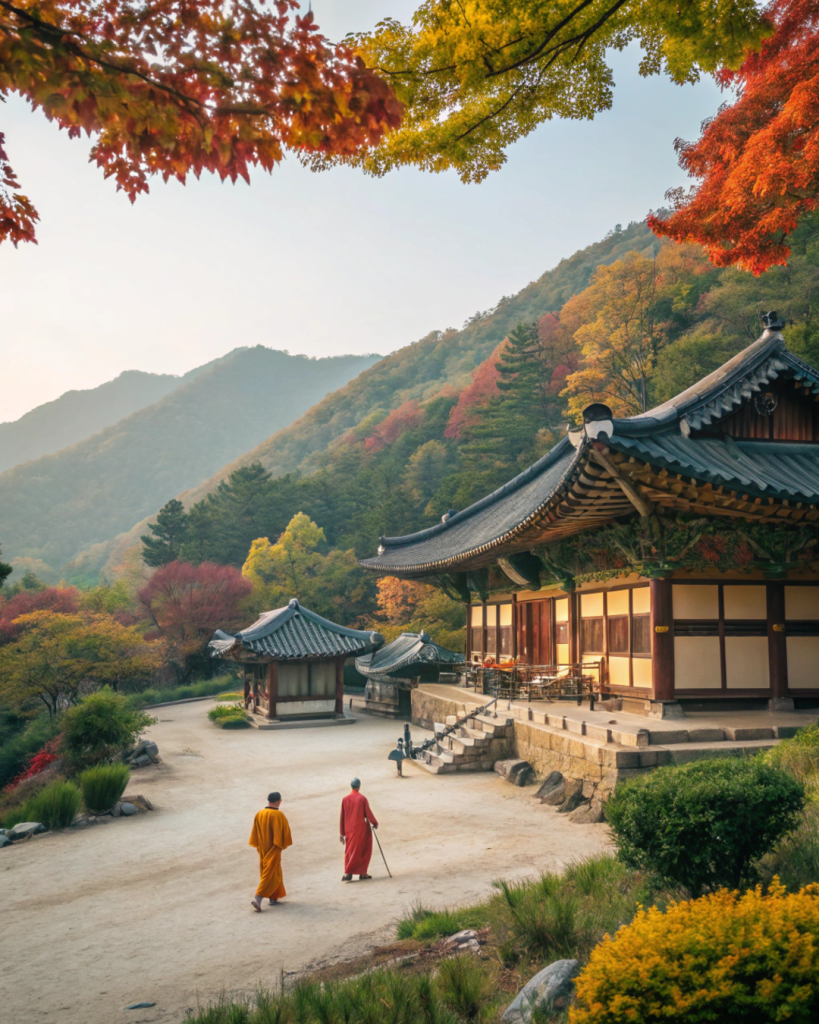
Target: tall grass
point(103, 785)
point(55, 806)
point(424, 925)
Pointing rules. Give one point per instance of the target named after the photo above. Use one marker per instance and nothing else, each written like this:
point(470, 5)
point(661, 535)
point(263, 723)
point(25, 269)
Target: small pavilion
point(394, 670)
point(677, 550)
point(293, 662)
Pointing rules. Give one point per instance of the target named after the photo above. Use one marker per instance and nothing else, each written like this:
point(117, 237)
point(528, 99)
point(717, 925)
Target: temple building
point(675, 550)
point(393, 671)
point(293, 662)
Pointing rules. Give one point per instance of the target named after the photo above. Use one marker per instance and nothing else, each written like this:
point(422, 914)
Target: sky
point(321, 264)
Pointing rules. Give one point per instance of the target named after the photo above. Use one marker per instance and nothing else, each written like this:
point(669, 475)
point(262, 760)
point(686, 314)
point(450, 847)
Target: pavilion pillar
point(777, 649)
point(339, 686)
point(272, 688)
point(574, 628)
point(246, 687)
point(514, 627)
point(468, 647)
point(662, 639)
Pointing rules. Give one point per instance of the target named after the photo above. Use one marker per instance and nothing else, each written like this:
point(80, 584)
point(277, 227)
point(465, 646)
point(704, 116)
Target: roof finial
point(772, 321)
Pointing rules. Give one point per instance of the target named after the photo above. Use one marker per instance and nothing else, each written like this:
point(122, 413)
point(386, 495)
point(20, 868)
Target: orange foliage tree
point(757, 161)
point(180, 86)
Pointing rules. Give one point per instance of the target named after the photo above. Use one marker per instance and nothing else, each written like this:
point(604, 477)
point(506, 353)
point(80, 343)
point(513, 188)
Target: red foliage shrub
point(61, 600)
point(37, 763)
point(480, 392)
point(405, 417)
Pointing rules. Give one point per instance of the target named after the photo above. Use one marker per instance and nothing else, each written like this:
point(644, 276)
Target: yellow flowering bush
point(726, 957)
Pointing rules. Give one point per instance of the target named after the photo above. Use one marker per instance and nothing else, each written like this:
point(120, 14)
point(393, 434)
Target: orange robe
point(356, 818)
point(270, 835)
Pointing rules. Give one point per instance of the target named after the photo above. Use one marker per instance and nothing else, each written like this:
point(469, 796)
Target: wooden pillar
point(339, 686)
point(246, 687)
point(514, 627)
point(483, 631)
point(574, 628)
point(468, 646)
point(272, 688)
point(777, 648)
point(662, 639)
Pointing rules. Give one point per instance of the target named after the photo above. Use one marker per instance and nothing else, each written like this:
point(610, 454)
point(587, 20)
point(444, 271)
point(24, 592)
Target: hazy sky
point(315, 263)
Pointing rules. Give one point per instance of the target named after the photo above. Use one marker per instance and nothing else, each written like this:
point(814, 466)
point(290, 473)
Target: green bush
point(795, 859)
point(234, 722)
point(204, 688)
point(99, 727)
point(225, 711)
point(703, 825)
point(799, 756)
point(232, 696)
point(103, 785)
point(56, 806)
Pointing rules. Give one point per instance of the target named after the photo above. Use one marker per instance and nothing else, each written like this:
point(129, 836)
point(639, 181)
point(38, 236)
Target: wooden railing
point(537, 682)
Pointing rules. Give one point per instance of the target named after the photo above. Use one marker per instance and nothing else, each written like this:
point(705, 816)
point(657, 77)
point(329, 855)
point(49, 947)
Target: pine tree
point(169, 532)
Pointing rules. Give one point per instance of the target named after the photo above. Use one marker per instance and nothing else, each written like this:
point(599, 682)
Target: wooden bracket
point(645, 508)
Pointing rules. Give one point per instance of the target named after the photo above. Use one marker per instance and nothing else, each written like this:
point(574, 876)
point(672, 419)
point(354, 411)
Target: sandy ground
point(156, 908)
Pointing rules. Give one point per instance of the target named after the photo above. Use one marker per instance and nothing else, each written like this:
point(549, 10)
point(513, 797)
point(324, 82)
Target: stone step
point(467, 744)
point(436, 761)
point(477, 734)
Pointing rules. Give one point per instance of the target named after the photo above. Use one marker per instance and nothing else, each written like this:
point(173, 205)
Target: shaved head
point(355, 784)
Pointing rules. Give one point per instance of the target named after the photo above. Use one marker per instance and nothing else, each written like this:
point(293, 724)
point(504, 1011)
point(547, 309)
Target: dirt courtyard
point(157, 908)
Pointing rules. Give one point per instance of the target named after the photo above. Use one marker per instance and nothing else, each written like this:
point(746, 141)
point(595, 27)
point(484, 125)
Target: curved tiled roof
point(294, 633)
point(405, 651)
point(561, 489)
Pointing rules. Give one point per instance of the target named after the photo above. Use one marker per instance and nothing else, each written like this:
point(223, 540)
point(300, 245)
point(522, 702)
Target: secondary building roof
point(293, 633)
point(673, 456)
point(407, 652)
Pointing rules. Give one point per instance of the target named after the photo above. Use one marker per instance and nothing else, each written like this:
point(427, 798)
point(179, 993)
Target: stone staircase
point(471, 747)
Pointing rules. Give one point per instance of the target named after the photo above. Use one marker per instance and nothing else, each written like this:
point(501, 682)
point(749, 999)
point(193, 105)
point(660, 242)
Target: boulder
point(589, 814)
point(4, 841)
point(518, 772)
point(116, 811)
point(127, 808)
point(26, 829)
point(574, 796)
point(143, 753)
point(556, 795)
point(550, 989)
point(549, 784)
point(140, 761)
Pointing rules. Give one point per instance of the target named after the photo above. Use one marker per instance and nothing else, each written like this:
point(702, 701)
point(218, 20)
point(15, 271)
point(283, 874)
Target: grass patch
point(232, 696)
point(56, 806)
point(103, 786)
point(425, 925)
point(204, 688)
point(233, 722)
point(225, 711)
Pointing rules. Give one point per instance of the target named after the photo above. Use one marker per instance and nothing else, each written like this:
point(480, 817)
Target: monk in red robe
point(356, 818)
point(270, 835)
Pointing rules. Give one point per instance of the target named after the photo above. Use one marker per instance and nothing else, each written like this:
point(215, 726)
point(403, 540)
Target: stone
point(574, 796)
point(128, 809)
point(517, 771)
point(4, 841)
point(462, 941)
point(590, 813)
point(550, 989)
point(26, 829)
point(550, 783)
point(116, 810)
point(555, 796)
point(140, 761)
point(143, 753)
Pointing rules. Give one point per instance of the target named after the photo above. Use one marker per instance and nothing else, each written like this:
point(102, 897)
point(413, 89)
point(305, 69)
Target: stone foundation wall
point(428, 708)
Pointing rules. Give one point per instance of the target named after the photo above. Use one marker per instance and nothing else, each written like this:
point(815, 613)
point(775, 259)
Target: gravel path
point(156, 908)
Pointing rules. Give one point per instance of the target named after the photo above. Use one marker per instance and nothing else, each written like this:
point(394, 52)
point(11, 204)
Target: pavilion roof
point(405, 652)
point(614, 467)
point(293, 633)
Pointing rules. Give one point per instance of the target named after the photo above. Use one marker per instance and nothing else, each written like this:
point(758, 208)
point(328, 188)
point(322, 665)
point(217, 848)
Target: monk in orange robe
point(356, 818)
point(270, 835)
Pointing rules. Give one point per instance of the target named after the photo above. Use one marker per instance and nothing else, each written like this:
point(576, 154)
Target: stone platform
point(602, 748)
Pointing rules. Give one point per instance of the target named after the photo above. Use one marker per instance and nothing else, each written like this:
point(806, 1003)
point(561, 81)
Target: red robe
point(356, 818)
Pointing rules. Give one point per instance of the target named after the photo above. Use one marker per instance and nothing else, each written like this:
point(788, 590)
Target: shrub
point(465, 987)
point(703, 825)
point(723, 957)
point(795, 859)
point(103, 785)
point(100, 726)
point(56, 806)
point(799, 755)
point(225, 711)
point(234, 722)
point(19, 741)
point(423, 924)
point(232, 696)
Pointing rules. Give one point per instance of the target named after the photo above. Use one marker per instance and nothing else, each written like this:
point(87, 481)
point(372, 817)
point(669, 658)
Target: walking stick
point(386, 865)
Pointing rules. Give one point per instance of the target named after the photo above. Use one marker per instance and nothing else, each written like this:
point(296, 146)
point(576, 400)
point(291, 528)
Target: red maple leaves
point(758, 159)
point(181, 86)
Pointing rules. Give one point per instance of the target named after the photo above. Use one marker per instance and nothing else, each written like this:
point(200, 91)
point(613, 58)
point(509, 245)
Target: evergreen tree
point(169, 532)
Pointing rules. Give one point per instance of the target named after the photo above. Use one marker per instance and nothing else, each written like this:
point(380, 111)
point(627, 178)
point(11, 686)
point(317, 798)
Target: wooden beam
point(642, 506)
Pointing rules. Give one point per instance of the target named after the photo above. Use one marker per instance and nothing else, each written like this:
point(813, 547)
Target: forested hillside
point(645, 326)
point(58, 505)
point(441, 362)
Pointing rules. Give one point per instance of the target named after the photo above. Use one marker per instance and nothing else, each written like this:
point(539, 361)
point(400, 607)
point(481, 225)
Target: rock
point(588, 814)
point(574, 796)
point(555, 796)
point(518, 772)
point(143, 753)
point(139, 1006)
point(5, 831)
point(550, 783)
point(460, 942)
point(4, 841)
point(550, 989)
point(26, 829)
point(116, 811)
point(140, 761)
point(128, 809)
